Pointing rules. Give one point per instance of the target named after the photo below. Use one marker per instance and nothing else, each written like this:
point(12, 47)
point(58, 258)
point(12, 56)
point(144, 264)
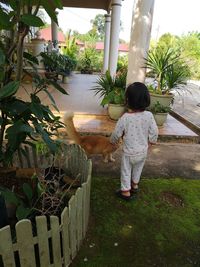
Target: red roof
point(46, 34)
point(122, 47)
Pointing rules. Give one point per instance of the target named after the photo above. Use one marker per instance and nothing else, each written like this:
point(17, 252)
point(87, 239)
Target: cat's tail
point(70, 129)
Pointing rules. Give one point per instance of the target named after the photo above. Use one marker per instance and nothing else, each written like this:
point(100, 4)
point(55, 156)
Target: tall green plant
point(70, 49)
point(166, 67)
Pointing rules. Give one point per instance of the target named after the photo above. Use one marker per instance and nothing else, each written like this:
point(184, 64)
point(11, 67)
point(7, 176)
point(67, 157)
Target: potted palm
point(169, 73)
point(112, 91)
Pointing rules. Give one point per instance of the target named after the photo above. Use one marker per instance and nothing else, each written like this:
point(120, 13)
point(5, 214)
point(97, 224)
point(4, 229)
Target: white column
point(54, 33)
point(106, 42)
point(114, 38)
point(140, 39)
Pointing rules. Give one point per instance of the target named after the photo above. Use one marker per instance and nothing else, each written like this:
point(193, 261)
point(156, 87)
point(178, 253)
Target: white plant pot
point(160, 118)
point(64, 79)
point(115, 111)
point(164, 100)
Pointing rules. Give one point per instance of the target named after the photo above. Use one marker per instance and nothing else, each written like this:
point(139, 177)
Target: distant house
point(46, 35)
point(123, 48)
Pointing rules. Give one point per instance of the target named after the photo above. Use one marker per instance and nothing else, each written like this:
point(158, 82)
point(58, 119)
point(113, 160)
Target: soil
point(54, 186)
point(172, 199)
point(16, 178)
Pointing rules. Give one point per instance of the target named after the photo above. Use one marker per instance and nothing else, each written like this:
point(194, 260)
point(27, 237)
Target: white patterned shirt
point(137, 130)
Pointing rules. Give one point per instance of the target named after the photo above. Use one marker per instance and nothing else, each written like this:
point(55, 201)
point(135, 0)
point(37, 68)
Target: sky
point(174, 16)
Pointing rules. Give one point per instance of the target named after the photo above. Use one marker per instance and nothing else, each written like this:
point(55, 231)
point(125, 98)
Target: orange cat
point(92, 144)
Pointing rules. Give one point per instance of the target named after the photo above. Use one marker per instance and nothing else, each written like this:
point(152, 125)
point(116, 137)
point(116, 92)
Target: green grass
point(159, 228)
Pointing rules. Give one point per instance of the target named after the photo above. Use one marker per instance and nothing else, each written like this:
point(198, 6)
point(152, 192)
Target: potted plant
point(51, 63)
point(112, 91)
point(65, 65)
point(169, 73)
point(160, 113)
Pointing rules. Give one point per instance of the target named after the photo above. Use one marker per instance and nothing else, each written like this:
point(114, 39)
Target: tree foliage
point(98, 24)
point(187, 45)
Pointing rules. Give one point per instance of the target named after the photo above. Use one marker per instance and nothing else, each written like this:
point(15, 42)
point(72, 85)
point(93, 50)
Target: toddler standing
point(139, 130)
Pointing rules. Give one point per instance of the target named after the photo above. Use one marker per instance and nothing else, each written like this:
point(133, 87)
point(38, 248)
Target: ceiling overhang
point(97, 4)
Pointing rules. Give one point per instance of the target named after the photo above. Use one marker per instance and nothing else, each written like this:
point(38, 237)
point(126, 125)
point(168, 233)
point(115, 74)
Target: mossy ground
point(161, 227)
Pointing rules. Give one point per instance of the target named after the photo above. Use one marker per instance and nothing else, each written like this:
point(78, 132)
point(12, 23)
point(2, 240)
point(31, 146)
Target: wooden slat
point(20, 159)
point(74, 154)
point(6, 249)
point(84, 208)
point(76, 160)
point(72, 226)
point(65, 236)
point(79, 225)
point(81, 166)
point(55, 231)
point(43, 244)
point(70, 158)
point(25, 243)
point(35, 157)
point(88, 195)
point(28, 157)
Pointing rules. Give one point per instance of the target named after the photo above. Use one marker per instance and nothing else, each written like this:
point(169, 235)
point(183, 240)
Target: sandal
point(120, 195)
point(134, 190)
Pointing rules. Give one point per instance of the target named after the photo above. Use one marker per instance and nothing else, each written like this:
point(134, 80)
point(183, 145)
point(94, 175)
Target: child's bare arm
point(118, 132)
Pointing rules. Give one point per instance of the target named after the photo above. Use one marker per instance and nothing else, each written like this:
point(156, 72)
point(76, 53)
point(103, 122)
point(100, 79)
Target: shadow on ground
point(164, 160)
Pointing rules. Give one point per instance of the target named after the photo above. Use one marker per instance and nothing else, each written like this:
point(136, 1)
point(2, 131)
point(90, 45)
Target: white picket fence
point(57, 241)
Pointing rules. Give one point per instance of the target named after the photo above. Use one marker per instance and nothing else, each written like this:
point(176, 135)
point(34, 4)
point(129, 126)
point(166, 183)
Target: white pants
point(131, 169)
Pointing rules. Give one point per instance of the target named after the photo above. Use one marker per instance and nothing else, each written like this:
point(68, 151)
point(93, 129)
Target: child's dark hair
point(137, 96)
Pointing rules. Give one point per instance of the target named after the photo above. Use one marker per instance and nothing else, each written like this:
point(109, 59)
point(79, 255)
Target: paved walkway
point(165, 160)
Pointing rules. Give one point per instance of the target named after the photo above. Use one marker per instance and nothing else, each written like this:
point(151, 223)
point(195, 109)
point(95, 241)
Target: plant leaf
point(28, 191)
point(52, 99)
point(2, 57)
point(30, 58)
point(58, 4)
point(50, 11)
point(22, 212)
point(37, 110)
point(32, 20)
point(58, 87)
point(5, 20)
point(9, 89)
point(9, 196)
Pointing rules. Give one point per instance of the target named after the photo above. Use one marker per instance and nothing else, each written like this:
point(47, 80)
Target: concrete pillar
point(106, 42)
point(54, 34)
point(140, 39)
point(114, 38)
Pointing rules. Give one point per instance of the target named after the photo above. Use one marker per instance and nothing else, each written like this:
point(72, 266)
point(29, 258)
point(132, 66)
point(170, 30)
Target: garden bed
point(53, 240)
